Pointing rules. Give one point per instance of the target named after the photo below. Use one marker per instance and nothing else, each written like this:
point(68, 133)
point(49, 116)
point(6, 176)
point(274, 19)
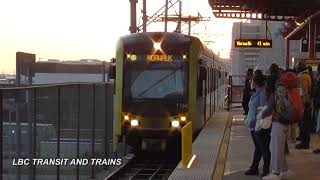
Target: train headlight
point(183, 118)
point(157, 45)
point(175, 123)
point(126, 117)
point(134, 122)
point(184, 56)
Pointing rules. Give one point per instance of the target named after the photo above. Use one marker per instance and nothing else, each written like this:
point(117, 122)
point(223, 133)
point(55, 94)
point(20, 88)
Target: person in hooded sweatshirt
point(288, 109)
point(247, 91)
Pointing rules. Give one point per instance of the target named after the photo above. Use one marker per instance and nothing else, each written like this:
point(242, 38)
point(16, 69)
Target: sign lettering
point(253, 43)
point(159, 57)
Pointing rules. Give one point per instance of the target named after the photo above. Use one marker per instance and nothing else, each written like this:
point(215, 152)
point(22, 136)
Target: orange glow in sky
point(83, 29)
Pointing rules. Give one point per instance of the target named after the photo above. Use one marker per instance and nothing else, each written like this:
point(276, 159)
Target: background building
point(56, 71)
point(261, 58)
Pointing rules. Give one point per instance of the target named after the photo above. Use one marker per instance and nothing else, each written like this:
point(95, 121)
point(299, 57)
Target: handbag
point(263, 123)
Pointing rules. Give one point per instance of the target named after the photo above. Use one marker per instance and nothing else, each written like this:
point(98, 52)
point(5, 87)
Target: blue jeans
point(261, 140)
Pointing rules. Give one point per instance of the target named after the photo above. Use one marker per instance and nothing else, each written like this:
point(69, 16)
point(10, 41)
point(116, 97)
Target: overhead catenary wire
point(157, 16)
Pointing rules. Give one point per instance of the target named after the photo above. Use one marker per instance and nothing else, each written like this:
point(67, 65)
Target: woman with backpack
point(288, 109)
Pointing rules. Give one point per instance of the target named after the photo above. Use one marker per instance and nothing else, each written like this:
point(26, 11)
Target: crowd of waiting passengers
point(281, 107)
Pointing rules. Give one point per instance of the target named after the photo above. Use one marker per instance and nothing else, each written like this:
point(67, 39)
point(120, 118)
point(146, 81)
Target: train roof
point(171, 37)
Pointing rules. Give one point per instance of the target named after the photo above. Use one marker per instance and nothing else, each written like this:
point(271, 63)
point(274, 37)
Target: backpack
point(289, 107)
point(282, 105)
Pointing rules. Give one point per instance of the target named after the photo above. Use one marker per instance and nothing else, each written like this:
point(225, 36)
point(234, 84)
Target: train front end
point(155, 89)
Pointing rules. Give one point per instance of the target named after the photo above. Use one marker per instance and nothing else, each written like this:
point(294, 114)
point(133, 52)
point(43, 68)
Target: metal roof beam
point(303, 25)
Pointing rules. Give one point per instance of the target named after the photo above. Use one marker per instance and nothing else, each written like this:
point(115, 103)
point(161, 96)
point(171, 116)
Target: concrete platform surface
point(206, 148)
point(303, 163)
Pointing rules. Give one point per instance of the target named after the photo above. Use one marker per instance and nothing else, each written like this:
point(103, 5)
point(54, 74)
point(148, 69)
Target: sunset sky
point(86, 29)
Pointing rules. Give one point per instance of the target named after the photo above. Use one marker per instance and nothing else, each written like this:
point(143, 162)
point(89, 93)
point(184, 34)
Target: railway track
point(146, 166)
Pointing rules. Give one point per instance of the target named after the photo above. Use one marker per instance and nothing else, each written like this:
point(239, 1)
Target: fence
point(63, 121)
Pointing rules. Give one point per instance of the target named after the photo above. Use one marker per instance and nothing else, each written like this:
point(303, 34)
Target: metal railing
point(61, 121)
point(235, 90)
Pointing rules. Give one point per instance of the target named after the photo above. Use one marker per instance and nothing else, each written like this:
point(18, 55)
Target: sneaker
point(298, 138)
point(302, 146)
point(286, 174)
point(316, 151)
point(265, 173)
point(272, 177)
point(252, 171)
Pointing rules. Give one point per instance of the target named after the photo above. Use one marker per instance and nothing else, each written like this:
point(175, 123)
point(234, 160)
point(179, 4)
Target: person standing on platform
point(247, 92)
point(305, 93)
point(313, 84)
point(261, 139)
point(316, 102)
point(270, 88)
point(288, 109)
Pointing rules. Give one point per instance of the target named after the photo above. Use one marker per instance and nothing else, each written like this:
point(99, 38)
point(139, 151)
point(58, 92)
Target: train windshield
point(156, 80)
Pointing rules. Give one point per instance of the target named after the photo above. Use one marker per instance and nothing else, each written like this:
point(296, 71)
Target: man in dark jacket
point(247, 92)
point(305, 92)
point(316, 102)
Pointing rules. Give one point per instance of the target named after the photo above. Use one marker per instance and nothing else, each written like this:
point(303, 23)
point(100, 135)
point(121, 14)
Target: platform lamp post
point(287, 55)
point(312, 52)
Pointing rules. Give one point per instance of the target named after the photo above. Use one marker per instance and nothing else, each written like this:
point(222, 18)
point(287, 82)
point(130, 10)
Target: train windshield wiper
point(157, 82)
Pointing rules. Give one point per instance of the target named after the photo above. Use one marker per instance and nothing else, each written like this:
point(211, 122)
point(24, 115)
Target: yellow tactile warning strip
point(206, 148)
point(219, 170)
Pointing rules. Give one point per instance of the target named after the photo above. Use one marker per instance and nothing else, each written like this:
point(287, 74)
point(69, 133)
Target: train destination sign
point(162, 57)
point(253, 43)
point(156, 57)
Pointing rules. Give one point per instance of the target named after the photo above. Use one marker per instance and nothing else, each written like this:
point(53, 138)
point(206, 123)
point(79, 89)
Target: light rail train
point(163, 81)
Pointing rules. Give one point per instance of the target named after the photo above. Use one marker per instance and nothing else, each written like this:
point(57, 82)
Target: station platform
point(303, 163)
point(224, 150)
point(206, 149)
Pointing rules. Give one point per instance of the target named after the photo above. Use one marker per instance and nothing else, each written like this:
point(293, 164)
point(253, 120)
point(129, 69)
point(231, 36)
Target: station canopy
point(297, 13)
point(274, 10)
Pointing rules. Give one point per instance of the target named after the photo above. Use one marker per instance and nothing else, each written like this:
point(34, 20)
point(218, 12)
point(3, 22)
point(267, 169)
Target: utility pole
point(166, 17)
point(186, 19)
point(180, 14)
point(144, 17)
point(18, 72)
point(133, 16)
point(189, 26)
point(157, 15)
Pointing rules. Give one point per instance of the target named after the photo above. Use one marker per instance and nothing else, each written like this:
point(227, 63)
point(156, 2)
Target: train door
point(210, 91)
point(201, 89)
point(208, 98)
point(214, 89)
